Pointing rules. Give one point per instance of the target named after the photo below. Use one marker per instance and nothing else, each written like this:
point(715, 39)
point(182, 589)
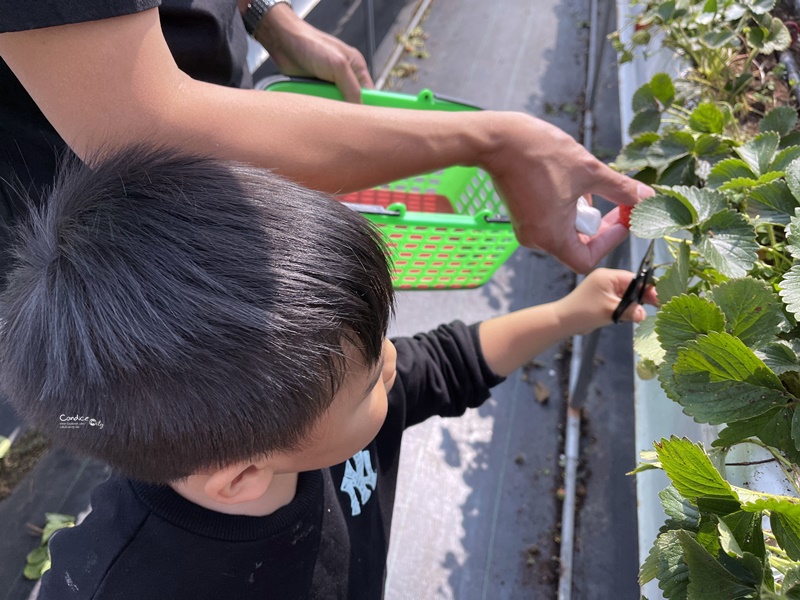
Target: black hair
point(194, 307)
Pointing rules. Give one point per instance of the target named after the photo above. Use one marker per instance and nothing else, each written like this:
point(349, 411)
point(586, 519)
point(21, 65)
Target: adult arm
point(113, 82)
point(299, 49)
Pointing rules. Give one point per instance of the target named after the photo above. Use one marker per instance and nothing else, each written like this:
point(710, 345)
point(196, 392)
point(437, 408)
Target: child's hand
point(592, 303)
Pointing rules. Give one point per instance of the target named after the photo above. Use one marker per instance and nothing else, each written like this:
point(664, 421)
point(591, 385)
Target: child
point(216, 334)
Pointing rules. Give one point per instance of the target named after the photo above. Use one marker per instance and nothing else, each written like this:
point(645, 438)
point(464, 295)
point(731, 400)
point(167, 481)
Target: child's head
point(204, 312)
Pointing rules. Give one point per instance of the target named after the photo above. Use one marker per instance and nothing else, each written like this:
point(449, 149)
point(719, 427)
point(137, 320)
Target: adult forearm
point(326, 145)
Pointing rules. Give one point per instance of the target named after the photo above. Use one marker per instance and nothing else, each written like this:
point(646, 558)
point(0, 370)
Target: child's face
point(354, 417)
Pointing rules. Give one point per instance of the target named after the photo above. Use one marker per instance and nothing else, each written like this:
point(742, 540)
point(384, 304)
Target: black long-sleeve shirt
point(143, 542)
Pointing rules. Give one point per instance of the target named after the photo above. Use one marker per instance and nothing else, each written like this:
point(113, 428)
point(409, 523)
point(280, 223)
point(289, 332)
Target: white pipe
point(573, 426)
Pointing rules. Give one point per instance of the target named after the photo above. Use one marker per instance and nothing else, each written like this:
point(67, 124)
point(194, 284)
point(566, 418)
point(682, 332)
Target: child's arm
point(510, 341)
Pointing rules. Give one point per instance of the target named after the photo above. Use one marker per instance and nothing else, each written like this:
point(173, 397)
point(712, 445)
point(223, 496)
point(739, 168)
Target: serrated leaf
point(635, 155)
point(734, 12)
point(684, 318)
point(673, 146)
point(760, 7)
point(759, 152)
point(645, 341)
point(720, 380)
point(683, 513)
point(790, 290)
point(728, 242)
point(774, 38)
point(707, 118)
point(793, 177)
point(773, 428)
point(784, 158)
point(780, 119)
point(791, 139)
point(644, 99)
point(717, 38)
point(745, 527)
point(666, 9)
point(645, 120)
point(708, 579)
point(752, 310)
point(702, 202)
point(708, 533)
point(665, 562)
point(793, 235)
point(711, 148)
point(738, 184)
point(728, 169)
point(780, 357)
point(663, 88)
point(786, 529)
point(727, 540)
point(680, 172)
point(772, 203)
point(688, 467)
point(791, 580)
point(675, 280)
point(660, 215)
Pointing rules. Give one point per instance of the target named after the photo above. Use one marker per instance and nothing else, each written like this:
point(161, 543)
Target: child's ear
point(242, 482)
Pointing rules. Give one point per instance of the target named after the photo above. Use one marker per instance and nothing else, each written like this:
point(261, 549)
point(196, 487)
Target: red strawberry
point(625, 215)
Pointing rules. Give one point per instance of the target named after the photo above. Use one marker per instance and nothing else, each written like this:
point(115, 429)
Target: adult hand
point(540, 172)
point(302, 50)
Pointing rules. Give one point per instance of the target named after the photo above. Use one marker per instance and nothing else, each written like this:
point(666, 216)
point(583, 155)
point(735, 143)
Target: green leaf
point(785, 157)
point(786, 529)
point(780, 357)
point(56, 521)
point(665, 10)
point(793, 177)
point(681, 172)
point(739, 184)
point(718, 379)
point(682, 513)
point(684, 318)
point(708, 579)
point(5, 446)
point(760, 7)
point(773, 428)
point(707, 118)
point(675, 280)
point(660, 215)
point(711, 148)
point(772, 203)
point(663, 88)
point(781, 120)
point(752, 310)
point(791, 582)
point(717, 38)
point(688, 467)
point(665, 562)
point(702, 202)
point(644, 99)
point(645, 120)
point(635, 155)
point(708, 533)
point(791, 139)
point(790, 290)
point(730, 168)
point(672, 147)
point(759, 152)
point(745, 527)
point(728, 242)
point(774, 38)
point(793, 235)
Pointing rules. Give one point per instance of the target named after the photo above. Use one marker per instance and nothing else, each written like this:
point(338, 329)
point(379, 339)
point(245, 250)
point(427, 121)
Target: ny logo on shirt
point(359, 480)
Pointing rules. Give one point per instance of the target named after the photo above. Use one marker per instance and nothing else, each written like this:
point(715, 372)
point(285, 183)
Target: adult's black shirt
point(145, 542)
point(206, 37)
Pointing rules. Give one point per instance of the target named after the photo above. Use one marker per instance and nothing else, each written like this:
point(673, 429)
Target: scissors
point(637, 287)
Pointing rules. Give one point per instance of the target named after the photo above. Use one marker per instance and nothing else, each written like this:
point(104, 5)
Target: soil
point(21, 458)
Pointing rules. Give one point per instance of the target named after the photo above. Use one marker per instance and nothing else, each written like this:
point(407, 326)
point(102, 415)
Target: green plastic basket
point(448, 249)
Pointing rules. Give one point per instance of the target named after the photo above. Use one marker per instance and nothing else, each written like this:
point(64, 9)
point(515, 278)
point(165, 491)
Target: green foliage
point(39, 559)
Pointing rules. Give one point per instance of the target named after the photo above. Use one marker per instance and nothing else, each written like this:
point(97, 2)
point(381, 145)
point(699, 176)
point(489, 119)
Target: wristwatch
point(255, 13)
